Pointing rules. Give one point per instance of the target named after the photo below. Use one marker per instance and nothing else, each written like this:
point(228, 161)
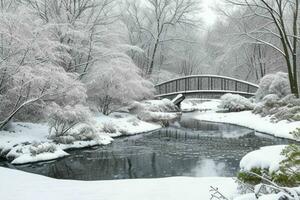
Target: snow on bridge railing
point(205, 84)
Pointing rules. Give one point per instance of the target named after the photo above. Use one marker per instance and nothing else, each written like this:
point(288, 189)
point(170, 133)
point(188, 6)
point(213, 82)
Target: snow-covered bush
point(287, 108)
point(277, 84)
point(289, 171)
point(296, 133)
point(63, 119)
point(109, 128)
point(162, 111)
point(283, 169)
point(39, 148)
point(159, 117)
point(235, 103)
point(82, 132)
point(267, 190)
point(164, 105)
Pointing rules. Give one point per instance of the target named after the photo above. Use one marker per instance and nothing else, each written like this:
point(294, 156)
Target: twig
point(216, 194)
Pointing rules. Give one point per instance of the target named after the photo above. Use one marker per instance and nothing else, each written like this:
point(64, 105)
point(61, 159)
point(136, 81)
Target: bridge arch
point(205, 86)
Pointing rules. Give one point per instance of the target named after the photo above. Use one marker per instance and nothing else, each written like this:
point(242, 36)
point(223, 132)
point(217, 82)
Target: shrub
point(164, 105)
point(82, 132)
point(296, 133)
point(109, 128)
point(63, 119)
point(288, 174)
point(39, 148)
point(235, 103)
point(250, 178)
point(277, 84)
point(289, 171)
point(287, 108)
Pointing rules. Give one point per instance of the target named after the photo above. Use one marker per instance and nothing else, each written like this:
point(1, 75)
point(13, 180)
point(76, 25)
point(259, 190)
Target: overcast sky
point(208, 13)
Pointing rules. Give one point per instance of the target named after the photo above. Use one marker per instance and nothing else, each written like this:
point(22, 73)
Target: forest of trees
point(99, 55)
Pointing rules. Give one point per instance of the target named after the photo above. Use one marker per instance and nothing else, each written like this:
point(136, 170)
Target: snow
point(189, 105)
point(250, 120)
point(20, 185)
point(268, 157)
point(178, 97)
point(234, 102)
point(249, 196)
point(27, 158)
point(126, 124)
point(16, 144)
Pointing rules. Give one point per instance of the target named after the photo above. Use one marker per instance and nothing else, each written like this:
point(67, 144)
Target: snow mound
point(268, 157)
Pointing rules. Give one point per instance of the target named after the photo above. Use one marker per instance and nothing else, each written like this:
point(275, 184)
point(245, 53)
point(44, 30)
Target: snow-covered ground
point(125, 124)
point(22, 185)
point(189, 105)
point(245, 118)
point(18, 185)
point(17, 143)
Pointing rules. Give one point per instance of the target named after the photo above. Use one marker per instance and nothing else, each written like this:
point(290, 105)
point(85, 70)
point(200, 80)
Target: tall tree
point(281, 22)
point(151, 23)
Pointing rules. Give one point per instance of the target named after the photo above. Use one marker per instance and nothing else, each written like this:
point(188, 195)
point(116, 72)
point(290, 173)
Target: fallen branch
point(216, 194)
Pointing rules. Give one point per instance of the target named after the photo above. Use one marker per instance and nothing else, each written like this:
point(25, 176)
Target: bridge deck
point(205, 86)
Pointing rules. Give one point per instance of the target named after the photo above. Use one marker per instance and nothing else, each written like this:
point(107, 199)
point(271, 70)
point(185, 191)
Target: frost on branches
point(63, 119)
point(28, 79)
point(116, 83)
point(52, 52)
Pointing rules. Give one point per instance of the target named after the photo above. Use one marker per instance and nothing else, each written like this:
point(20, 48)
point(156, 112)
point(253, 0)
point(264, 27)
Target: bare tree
point(281, 23)
point(152, 22)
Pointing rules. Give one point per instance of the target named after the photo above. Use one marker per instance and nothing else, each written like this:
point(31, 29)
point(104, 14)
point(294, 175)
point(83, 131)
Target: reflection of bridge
point(205, 86)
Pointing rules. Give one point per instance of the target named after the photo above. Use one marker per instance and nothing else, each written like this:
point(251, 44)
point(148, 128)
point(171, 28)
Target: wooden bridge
point(205, 86)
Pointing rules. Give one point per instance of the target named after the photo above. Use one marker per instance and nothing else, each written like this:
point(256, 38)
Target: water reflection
point(194, 149)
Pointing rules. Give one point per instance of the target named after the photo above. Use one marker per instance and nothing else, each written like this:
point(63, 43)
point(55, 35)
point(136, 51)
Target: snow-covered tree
point(115, 83)
point(27, 76)
point(152, 25)
point(280, 21)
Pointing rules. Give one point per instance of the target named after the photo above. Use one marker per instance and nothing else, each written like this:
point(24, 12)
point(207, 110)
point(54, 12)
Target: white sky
point(208, 14)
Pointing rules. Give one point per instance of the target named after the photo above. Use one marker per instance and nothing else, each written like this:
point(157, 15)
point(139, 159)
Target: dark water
point(193, 148)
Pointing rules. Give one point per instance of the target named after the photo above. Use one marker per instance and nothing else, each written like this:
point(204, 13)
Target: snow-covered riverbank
point(247, 119)
point(16, 144)
point(20, 185)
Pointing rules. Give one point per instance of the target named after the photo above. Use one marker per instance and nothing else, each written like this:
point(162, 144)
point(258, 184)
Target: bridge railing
point(205, 85)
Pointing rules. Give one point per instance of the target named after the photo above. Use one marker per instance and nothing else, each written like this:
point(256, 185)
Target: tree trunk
point(7, 120)
point(150, 69)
